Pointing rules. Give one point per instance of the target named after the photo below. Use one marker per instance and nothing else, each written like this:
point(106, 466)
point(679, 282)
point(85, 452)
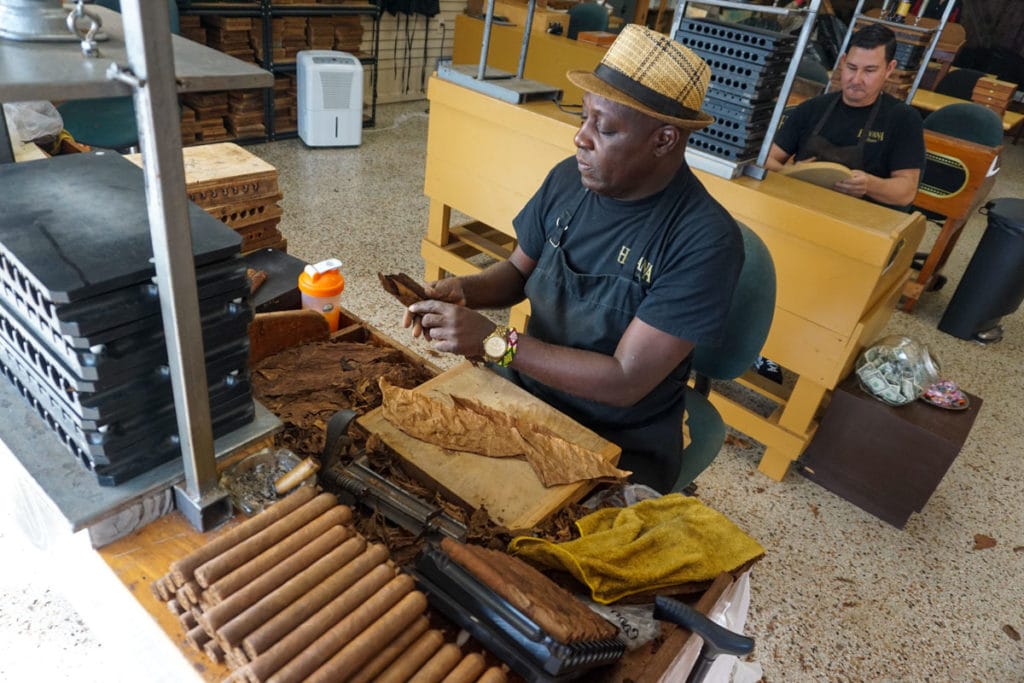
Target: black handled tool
point(718, 640)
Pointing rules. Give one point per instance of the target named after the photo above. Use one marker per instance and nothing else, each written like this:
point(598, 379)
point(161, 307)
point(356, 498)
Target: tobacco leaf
point(403, 288)
point(466, 424)
point(557, 461)
point(983, 542)
point(455, 427)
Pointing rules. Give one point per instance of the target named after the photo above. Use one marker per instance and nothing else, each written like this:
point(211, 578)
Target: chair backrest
point(967, 121)
point(959, 83)
point(750, 315)
point(587, 16)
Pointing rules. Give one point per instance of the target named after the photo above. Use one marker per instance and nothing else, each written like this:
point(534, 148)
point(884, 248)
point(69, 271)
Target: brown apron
point(851, 156)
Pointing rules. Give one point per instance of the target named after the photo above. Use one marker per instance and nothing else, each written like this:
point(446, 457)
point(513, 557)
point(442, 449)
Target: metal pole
point(846, 40)
point(530, 9)
point(485, 46)
point(787, 84)
point(151, 70)
point(931, 50)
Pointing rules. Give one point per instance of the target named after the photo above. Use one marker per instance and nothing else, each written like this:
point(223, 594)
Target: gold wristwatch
point(500, 346)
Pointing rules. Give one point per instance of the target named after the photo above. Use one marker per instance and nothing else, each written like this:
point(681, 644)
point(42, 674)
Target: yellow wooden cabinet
point(841, 262)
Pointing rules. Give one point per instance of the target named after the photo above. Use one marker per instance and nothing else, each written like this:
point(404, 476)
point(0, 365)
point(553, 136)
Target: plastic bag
point(34, 121)
point(636, 623)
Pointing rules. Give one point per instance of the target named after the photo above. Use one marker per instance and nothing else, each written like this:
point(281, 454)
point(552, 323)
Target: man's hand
point(855, 186)
point(452, 327)
point(448, 290)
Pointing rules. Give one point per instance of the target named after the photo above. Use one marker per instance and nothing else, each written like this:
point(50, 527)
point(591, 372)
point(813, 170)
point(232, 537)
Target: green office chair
point(108, 122)
point(587, 16)
point(967, 121)
point(746, 328)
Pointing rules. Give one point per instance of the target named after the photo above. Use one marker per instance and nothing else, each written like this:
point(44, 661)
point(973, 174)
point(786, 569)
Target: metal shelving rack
point(266, 10)
point(142, 59)
point(935, 32)
point(730, 169)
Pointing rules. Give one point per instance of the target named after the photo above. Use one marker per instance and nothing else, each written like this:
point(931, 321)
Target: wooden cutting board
point(822, 173)
point(507, 487)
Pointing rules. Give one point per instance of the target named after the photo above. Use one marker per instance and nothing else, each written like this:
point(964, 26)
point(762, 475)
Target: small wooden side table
point(887, 461)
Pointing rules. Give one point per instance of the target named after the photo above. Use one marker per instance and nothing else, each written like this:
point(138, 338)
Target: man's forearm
point(896, 191)
point(498, 286)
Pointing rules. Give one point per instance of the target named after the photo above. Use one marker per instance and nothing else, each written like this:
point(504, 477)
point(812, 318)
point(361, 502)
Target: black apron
point(851, 156)
point(592, 312)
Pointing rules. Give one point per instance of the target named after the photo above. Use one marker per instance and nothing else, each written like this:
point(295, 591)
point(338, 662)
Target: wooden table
point(841, 262)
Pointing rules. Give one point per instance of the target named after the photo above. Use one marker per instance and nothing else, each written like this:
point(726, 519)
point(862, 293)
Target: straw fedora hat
point(650, 72)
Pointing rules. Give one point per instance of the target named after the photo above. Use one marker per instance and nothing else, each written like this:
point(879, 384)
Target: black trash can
point(993, 284)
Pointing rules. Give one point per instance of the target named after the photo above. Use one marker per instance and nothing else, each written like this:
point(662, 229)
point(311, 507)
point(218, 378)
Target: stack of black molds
point(748, 68)
point(81, 333)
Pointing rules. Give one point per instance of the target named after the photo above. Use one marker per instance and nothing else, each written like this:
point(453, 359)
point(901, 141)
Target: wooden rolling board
point(822, 173)
point(507, 487)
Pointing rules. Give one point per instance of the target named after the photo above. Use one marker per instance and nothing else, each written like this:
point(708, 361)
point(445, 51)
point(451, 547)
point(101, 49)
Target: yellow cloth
point(652, 545)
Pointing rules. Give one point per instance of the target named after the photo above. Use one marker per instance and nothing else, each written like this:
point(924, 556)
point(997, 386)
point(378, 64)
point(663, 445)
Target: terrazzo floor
point(839, 596)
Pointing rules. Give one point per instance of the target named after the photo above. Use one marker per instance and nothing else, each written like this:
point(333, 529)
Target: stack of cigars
point(297, 594)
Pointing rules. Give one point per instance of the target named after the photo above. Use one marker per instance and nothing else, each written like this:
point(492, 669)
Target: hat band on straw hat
point(644, 95)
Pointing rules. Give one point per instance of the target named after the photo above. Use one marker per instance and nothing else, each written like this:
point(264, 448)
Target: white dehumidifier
point(330, 86)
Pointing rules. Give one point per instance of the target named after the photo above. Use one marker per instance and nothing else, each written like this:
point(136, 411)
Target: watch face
point(494, 346)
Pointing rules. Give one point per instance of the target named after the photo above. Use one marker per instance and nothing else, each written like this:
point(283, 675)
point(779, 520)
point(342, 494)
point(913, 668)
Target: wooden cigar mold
point(295, 593)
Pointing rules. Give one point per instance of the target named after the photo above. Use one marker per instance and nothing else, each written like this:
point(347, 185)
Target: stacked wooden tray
point(994, 94)
point(81, 333)
point(237, 188)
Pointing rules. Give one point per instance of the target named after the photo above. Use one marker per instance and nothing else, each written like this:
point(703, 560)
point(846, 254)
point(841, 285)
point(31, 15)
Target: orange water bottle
point(321, 285)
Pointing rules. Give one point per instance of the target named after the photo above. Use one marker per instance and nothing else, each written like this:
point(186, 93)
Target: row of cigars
point(295, 593)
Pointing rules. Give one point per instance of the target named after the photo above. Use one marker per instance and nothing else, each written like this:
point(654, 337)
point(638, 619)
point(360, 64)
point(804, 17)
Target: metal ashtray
point(251, 481)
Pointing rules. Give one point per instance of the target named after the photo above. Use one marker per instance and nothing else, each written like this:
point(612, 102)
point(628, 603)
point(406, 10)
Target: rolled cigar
point(182, 599)
point(281, 651)
point(357, 649)
point(307, 660)
point(188, 594)
point(239, 554)
point(183, 569)
point(160, 589)
point(390, 653)
point(213, 651)
point(467, 670)
point(438, 666)
point(354, 579)
point(227, 609)
point(240, 656)
point(296, 475)
point(271, 604)
point(410, 661)
point(277, 553)
point(188, 620)
point(175, 607)
point(197, 637)
point(493, 675)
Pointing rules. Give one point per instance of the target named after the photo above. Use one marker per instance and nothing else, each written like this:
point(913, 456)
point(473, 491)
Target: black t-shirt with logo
point(895, 141)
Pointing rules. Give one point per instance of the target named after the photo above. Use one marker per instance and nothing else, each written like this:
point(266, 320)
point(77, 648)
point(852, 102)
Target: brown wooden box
point(887, 461)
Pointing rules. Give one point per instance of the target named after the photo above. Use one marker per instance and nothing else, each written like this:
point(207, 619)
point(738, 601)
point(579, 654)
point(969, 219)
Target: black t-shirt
point(690, 269)
point(895, 141)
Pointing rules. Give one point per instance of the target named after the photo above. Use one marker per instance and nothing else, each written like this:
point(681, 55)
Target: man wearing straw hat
point(626, 260)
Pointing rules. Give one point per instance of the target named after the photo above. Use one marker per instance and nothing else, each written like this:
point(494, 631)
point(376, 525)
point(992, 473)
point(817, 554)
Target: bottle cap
point(323, 279)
